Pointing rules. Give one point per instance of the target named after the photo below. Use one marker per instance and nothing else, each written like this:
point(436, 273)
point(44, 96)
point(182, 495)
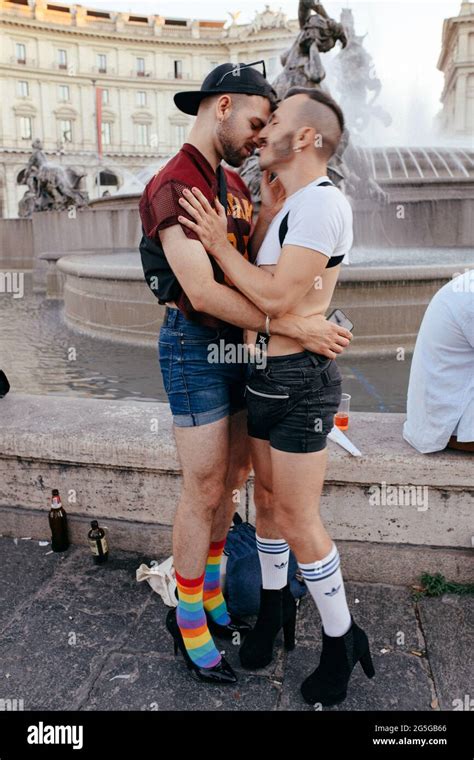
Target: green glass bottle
point(98, 543)
point(58, 524)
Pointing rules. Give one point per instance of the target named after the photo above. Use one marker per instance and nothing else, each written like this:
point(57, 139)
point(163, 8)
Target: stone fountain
point(412, 214)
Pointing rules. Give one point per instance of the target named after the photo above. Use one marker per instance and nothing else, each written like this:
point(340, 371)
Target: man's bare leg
point(273, 550)
point(262, 464)
point(203, 452)
point(297, 484)
point(204, 455)
point(239, 466)
point(215, 461)
point(274, 555)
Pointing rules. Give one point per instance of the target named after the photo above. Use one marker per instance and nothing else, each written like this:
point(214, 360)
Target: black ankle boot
point(340, 654)
point(277, 610)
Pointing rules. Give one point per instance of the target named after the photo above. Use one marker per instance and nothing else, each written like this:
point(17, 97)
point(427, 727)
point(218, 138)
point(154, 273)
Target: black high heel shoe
point(340, 654)
point(236, 625)
point(277, 610)
point(221, 673)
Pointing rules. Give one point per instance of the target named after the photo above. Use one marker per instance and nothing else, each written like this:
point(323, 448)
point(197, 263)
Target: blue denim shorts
point(200, 390)
point(292, 401)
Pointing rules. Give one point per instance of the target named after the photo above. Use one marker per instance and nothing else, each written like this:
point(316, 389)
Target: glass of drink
point(341, 418)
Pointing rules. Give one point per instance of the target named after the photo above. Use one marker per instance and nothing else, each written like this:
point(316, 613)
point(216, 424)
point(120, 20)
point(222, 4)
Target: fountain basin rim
point(123, 267)
point(118, 196)
point(361, 273)
point(56, 255)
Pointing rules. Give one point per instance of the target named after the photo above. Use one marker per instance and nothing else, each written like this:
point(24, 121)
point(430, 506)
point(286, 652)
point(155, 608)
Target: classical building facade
point(456, 61)
point(62, 65)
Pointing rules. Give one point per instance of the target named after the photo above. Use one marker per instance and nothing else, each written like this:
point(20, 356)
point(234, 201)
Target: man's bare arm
point(192, 266)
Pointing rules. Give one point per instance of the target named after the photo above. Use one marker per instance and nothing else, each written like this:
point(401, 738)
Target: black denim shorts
point(292, 401)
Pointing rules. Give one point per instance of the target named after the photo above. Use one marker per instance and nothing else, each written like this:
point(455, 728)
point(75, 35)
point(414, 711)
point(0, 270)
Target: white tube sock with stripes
point(274, 555)
point(324, 581)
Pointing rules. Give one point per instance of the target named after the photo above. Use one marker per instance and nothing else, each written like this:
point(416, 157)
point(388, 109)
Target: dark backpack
point(243, 575)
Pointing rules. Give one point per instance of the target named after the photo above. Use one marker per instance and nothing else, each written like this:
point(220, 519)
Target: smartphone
point(340, 318)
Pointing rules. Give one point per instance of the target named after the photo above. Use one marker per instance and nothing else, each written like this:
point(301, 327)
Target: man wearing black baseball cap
point(227, 78)
point(204, 311)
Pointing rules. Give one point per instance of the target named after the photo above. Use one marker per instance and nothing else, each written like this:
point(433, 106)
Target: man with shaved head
point(291, 401)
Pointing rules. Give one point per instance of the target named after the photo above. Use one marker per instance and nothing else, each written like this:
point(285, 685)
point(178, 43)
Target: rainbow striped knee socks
point(214, 602)
point(191, 619)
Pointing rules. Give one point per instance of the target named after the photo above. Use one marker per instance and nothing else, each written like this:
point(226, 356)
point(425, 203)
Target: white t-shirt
point(319, 218)
point(440, 399)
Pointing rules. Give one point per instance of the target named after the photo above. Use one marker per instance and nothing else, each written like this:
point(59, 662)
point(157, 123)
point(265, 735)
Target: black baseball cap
point(228, 77)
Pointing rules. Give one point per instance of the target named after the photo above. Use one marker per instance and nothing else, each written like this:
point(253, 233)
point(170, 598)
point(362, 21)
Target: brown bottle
point(58, 524)
point(98, 543)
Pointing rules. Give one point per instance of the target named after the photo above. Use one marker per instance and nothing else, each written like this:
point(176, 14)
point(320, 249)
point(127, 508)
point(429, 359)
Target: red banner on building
point(98, 112)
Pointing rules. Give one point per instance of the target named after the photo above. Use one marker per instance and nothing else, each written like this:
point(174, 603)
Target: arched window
point(107, 178)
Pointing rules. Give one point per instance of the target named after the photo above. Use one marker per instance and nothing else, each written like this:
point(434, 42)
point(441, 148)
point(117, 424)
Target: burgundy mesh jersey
point(159, 208)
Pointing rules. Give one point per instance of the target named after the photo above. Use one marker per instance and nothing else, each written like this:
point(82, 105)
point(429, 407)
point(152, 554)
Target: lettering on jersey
point(233, 241)
point(240, 208)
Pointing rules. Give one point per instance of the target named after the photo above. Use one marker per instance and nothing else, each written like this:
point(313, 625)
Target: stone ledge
point(119, 434)
point(363, 561)
point(107, 456)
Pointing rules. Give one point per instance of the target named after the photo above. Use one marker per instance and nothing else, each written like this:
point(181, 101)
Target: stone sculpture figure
point(302, 63)
point(51, 187)
point(303, 67)
point(356, 79)
point(268, 19)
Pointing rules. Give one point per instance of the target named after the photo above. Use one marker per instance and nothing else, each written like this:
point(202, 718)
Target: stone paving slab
point(68, 628)
point(25, 567)
point(159, 683)
point(448, 624)
point(400, 683)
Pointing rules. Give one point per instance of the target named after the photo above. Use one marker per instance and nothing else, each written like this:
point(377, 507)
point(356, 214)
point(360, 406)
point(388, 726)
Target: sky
point(403, 37)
